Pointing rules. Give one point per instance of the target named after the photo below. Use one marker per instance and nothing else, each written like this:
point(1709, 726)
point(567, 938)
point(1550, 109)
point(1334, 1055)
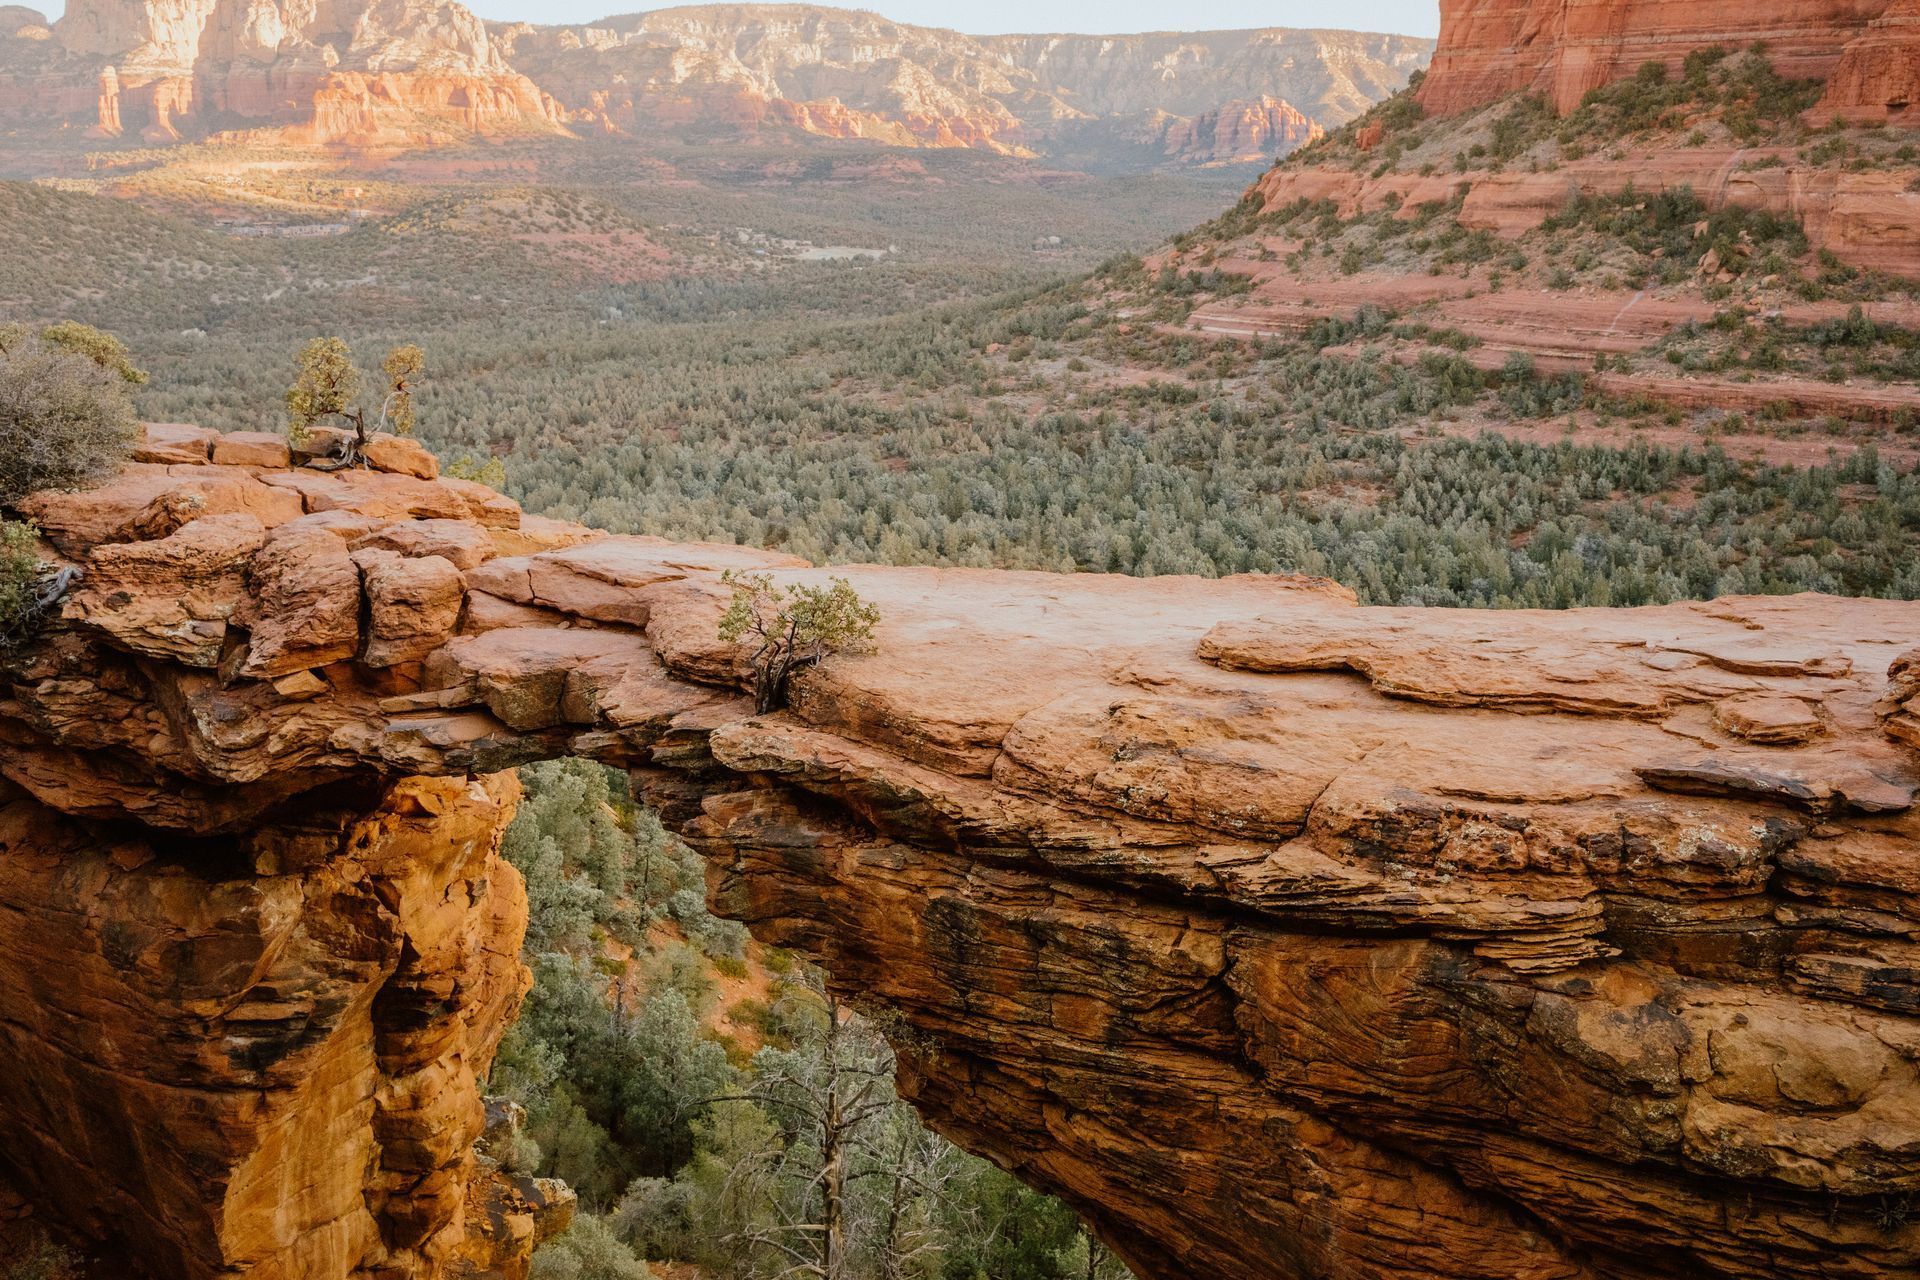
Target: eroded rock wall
point(420, 72)
point(1563, 48)
point(1285, 938)
point(259, 1053)
point(406, 73)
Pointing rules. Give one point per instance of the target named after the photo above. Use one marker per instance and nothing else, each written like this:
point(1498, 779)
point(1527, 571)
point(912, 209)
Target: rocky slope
point(1861, 58)
point(1589, 187)
point(1285, 938)
point(411, 72)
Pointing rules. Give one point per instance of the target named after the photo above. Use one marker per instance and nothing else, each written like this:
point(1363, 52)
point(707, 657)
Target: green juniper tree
point(793, 627)
point(327, 385)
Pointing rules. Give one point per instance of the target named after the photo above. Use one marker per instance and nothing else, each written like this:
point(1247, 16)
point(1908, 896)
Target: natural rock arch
point(1284, 938)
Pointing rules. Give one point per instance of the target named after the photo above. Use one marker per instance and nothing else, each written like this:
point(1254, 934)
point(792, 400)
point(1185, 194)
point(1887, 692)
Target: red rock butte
point(1285, 938)
point(1868, 51)
point(409, 73)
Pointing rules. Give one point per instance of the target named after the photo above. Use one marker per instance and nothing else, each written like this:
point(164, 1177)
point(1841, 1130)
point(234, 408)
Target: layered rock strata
point(403, 73)
point(1283, 937)
point(1563, 48)
point(417, 72)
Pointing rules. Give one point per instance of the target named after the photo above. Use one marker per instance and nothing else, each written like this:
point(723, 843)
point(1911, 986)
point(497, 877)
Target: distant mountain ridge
point(391, 73)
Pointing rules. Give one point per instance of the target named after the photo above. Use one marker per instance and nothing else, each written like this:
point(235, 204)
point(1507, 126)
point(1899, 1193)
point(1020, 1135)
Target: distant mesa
point(423, 72)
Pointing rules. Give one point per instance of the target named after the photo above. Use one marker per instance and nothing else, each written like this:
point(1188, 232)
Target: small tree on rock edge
point(326, 385)
point(795, 627)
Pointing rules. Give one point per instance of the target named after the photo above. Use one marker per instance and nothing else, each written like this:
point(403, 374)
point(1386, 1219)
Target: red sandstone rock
point(1563, 48)
point(423, 72)
point(1879, 73)
point(1899, 709)
point(462, 543)
point(171, 598)
point(413, 605)
point(387, 452)
point(1287, 939)
point(249, 449)
point(1238, 132)
point(415, 72)
point(1871, 219)
point(1767, 719)
point(207, 1065)
point(305, 607)
point(539, 533)
point(147, 500)
point(173, 443)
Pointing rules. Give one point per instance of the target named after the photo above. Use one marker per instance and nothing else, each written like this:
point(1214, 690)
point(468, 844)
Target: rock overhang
point(1442, 901)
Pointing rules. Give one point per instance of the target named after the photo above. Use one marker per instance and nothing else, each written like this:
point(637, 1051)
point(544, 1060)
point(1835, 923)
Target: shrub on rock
point(793, 627)
point(66, 414)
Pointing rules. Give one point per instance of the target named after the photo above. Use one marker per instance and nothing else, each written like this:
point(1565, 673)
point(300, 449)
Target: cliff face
point(1563, 48)
point(844, 73)
point(1879, 72)
point(259, 1054)
point(1239, 132)
point(1286, 938)
point(396, 72)
point(410, 72)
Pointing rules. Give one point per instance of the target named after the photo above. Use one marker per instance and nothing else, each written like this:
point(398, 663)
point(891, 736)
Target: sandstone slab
point(251, 449)
point(401, 455)
point(174, 443)
point(462, 543)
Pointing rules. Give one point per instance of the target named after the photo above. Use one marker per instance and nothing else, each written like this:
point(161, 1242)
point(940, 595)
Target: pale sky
point(994, 17)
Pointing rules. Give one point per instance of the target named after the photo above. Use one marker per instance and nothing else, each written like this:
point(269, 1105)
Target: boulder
point(252, 449)
point(413, 604)
point(525, 674)
point(304, 611)
point(401, 455)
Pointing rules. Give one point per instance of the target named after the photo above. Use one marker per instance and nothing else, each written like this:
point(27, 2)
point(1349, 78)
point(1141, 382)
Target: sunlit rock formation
point(362, 75)
point(401, 73)
point(1563, 48)
point(1285, 938)
point(1194, 97)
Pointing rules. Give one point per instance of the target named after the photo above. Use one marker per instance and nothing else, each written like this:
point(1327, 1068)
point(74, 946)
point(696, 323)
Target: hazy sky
point(990, 17)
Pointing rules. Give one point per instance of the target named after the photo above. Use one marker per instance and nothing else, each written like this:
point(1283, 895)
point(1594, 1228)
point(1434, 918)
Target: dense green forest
point(972, 395)
point(686, 1142)
point(1039, 430)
